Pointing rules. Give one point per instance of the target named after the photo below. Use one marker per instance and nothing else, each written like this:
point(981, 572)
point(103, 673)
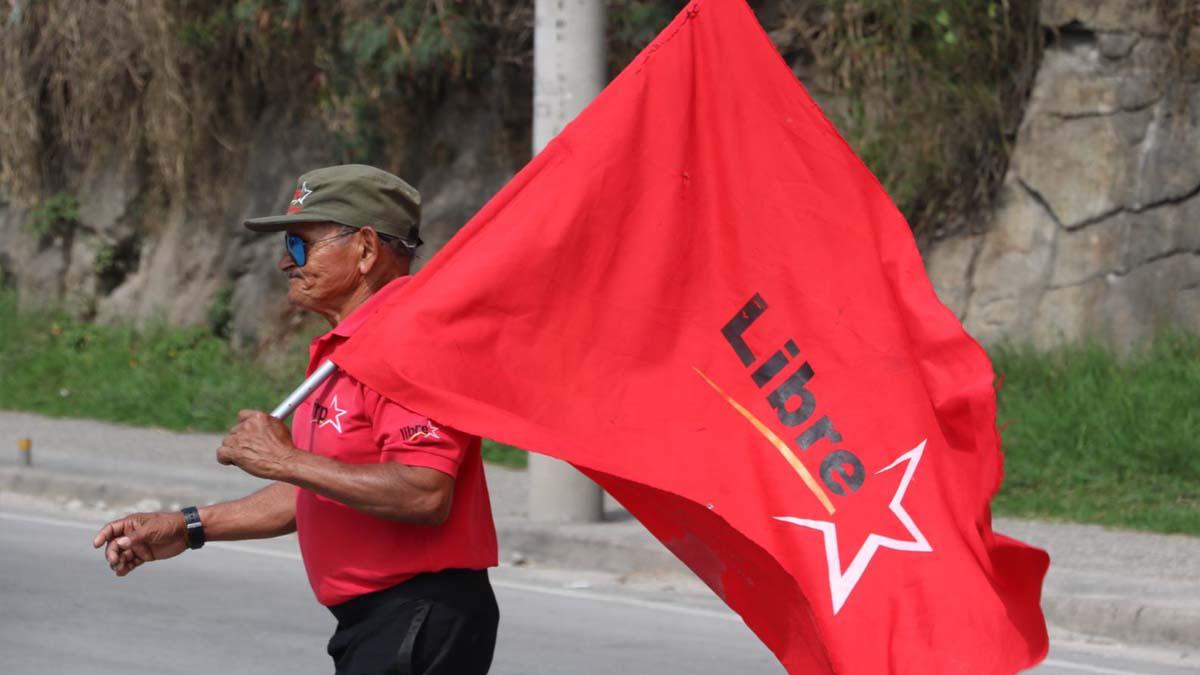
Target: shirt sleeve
point(408, 438)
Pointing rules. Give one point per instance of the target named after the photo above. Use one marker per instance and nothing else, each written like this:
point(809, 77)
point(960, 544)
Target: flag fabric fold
point(698, 295)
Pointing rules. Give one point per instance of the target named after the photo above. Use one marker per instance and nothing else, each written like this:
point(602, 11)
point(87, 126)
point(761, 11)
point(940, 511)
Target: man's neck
point(358, 296)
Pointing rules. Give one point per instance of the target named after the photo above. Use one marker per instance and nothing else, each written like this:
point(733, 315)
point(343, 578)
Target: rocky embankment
point(1097, 232)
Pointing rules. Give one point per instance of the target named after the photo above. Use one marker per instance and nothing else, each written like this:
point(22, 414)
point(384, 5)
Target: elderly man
point(390, 507)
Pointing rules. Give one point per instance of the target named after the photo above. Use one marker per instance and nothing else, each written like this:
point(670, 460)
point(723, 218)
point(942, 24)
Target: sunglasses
point(298, 249)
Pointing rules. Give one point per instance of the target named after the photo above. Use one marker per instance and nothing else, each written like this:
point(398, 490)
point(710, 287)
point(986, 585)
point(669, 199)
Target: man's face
point(331, 271)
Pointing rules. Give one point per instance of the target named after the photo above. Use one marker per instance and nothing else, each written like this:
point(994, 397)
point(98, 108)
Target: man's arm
point(141, 537)
point(270, 512)
point(261, 445)
point(411, 494)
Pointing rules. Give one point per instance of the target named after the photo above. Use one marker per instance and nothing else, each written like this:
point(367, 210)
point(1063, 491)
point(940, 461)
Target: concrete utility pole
point(569, 55)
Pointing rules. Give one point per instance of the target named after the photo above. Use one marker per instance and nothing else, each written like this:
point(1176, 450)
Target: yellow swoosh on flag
point(776, 441)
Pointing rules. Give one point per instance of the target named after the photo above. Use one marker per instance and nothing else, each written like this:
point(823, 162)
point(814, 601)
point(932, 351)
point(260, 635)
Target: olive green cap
point(355, 195)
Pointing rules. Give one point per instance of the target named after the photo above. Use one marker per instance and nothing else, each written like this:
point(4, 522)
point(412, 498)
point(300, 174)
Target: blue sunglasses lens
point(295, 248)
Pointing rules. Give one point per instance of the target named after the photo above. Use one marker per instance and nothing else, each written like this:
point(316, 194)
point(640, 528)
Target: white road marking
point(1087, 668)
point(499, 583)
point(617, 599)
point(533, 588)
point(255, 550)
point(49, 521)
point(78, 525)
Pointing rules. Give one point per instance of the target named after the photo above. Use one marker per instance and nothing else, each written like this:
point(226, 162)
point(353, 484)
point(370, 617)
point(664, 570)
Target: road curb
point(592, 546)
point(624, 548)
point(37, 482)
point(618, 548)
point(1123, 619)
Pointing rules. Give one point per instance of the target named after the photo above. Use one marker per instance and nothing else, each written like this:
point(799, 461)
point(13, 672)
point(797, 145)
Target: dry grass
point(930, 93)
point(107, 78)
point(1182, 19)
point(178, 85)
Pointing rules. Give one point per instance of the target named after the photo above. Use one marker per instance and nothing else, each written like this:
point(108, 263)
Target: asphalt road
point(246, 608)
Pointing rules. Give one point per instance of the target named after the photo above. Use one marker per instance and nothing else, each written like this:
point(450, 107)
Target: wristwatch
point(195, 529)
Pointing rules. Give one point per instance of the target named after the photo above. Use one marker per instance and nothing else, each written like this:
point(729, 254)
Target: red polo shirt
point(347, 552)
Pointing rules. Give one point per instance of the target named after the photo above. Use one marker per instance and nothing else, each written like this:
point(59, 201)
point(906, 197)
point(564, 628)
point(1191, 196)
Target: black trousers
point(439, 623)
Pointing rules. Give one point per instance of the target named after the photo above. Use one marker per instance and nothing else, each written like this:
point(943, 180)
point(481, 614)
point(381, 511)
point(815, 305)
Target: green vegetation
point(927, 91)
point(55, 216)
point(220, 312)
point(498, 453)
point(114, 261)
point(185, 379)
point(180, 87)
point(1091, 439)
point(1087, 437)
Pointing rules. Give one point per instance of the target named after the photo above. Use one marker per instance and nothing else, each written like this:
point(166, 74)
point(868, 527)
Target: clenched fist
point(260, 445)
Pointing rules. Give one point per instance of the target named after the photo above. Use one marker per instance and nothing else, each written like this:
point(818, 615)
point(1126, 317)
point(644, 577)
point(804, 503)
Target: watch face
point(195, 529)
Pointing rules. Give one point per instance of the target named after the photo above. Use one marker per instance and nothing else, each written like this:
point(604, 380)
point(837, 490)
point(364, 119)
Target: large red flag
point(700, 296)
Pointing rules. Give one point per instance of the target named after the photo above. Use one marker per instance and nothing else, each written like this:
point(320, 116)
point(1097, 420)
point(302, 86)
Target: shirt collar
point(347, 326)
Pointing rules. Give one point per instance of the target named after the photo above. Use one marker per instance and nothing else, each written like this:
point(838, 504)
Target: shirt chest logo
point(322, 417)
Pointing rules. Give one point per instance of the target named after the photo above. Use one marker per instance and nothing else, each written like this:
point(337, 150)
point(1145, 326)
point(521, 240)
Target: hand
point(260, 445)
point(141, 537)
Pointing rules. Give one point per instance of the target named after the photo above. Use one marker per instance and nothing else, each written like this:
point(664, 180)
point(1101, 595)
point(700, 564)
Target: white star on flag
point(842, 583)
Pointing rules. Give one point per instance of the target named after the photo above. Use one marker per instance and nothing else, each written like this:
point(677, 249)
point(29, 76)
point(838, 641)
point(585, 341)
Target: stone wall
point(1097, 231)
point(175, 263)
point(1096, 234)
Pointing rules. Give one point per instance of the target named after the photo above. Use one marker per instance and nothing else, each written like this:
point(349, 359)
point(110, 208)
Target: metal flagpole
point(306, 387)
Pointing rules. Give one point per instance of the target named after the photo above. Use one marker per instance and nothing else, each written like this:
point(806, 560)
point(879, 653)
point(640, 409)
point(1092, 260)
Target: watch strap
point(195, 529)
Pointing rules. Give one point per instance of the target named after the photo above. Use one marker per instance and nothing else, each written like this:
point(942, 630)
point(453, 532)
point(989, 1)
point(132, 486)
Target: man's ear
point(368, 249)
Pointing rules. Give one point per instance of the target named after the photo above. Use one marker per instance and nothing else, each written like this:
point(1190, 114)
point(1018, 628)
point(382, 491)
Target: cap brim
point(281, 223)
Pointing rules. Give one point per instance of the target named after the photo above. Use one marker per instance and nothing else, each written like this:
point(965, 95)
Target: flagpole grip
point(294, 399)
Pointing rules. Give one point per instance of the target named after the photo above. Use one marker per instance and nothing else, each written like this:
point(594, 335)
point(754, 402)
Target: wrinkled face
point(331, 272)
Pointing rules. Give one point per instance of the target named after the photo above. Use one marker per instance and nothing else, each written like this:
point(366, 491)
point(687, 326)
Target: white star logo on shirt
point(336, 420)
point(431, 433)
